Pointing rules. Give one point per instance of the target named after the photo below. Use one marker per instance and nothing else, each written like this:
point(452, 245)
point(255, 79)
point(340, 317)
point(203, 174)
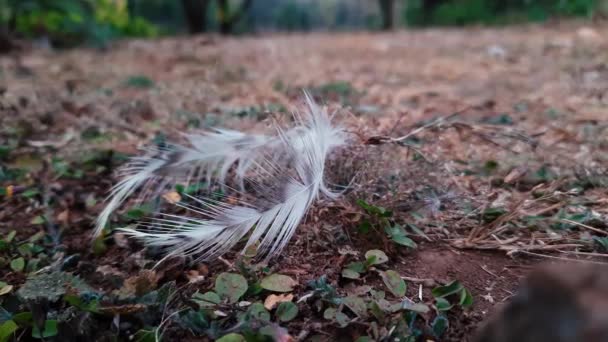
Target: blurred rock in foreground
point(556, 303)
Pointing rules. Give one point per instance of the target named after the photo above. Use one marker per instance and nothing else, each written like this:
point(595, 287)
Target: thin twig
point(597, 230)
point(382, 139)
point(564, 259)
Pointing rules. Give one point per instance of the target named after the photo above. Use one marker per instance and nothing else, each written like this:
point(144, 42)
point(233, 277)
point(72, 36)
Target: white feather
point(208, 153)
point(295, 178)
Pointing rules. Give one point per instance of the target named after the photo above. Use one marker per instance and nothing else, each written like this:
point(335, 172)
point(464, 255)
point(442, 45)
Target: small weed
point(139, 81)
point(453, 293)
point(379, 218)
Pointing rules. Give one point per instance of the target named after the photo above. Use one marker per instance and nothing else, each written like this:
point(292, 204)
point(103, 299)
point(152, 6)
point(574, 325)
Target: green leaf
point(232, 337)
point(330, 313)
point(440, 325)
point(375, 257)
point(374, 210)
point(398, 234)
point(356, 305)
point(393, 281)
point(10, 236)
point(230, 286)
point(358, 267)
point(207, 299)
point(137, 213)
point(442, 304)
point(377, 295)
point(377, 311)
point(350, 274)
point(38, 220)
point(409, 305)
point(139, 81)
point(144, 335)
point(342, 319)
point(490, 166)
point(5, 150)
point(5, 288)
point(602, 242)
point(80, 303)
point(29, 193)
point(466, 299)
point(49, 330)
point(278, 283)
point(491, 214)
point(18, 264)
point(36, 237)
point(196, 321)
point(287, 311)
point(51, 286)
point(364, 339)
point(364, 227)
point(404, 241)
point(99, 245)
point(7, 329)
point(447, 290)
point(24, 319)
point(258, 311)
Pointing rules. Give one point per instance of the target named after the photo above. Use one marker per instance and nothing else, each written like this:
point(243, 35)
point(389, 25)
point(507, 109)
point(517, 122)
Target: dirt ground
point(517, 178)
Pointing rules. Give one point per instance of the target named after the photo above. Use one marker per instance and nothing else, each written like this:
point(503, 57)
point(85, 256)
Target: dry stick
point(382, 139)
point(597, 230)
point(497, 226)
point(488, 271)
point(419, 280)
point(591, 254)
point(478, 234)
point(548, 209)
point(517, 249)
point(564, 259)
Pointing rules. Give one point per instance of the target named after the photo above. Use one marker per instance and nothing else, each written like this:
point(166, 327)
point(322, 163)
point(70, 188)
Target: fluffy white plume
point(208, 153)
point(283, 176)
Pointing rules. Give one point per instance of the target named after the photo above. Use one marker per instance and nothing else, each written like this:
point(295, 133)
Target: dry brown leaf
point(516, 174)
point(194, 277)
point(273, 300)
point(140, 284)
point(172, 197)
point(63, 217)
point(122, 309)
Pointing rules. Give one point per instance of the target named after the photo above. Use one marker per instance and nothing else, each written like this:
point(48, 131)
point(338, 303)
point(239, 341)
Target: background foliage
point(465, 12)
point(72, 22)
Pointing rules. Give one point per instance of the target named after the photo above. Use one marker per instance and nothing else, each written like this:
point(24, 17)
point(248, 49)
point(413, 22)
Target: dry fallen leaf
point(273, 300)
point(140, 284)
point(121, 240)
point(516, 174)
point(122, 309)
point(63, 217)
point(172, 197)
point(194, 276)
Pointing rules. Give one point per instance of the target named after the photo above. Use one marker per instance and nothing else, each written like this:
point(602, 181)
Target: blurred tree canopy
point(491, 12)
point(73, 22)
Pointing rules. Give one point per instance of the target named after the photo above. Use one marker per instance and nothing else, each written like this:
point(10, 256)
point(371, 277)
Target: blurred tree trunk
point(6, 41)
point(228, 18)
point(428, 8)
point(387, 10)
point(196, 15)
